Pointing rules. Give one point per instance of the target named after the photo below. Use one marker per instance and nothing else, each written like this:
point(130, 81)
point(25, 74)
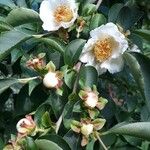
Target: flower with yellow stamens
point(58, 13)
point(105, 48)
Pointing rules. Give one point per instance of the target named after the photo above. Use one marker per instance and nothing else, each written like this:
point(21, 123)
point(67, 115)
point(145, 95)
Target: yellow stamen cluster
point(102, 49)
point(63, 14)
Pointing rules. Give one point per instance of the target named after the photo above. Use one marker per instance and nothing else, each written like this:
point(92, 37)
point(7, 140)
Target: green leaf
point(6, 83)
point(135, 70)
point(47, 145)
point(69, 78)
point(97, 20)
point(145, 34)
point(88, 76)
point(68, 111)
point(40, 112)
point(73, 51)
point(56, 139)
point(22, 106)
point(30, 144)
point(8, 3)
point(1, 144)
point(8, 42)
point(57, 103)
point(4, 26)
point(139, 129)
point(54, 43)
point(144, 64)
point(90, 145)
point(88, 9)
point(22, 3)
point(21, 16)
point(73, 140)
point(128, 16)
point(114, 11)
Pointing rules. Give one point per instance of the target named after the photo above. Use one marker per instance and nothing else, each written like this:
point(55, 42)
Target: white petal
point(87, 57)
point(113, 65)
point(111, 30)
point(47, 9)
point(99, 69)
point(89, 45)
point(50, 26)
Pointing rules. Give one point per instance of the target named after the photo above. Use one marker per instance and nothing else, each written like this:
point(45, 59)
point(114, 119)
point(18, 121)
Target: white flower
point(87, 129)
point(25, 125)
point(105, 48)
point(58, 13)
point(91, 99)
point(51, 80)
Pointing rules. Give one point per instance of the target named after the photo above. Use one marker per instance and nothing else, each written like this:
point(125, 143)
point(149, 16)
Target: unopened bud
point(52, 80)
point(87, 129)
point(26, 125)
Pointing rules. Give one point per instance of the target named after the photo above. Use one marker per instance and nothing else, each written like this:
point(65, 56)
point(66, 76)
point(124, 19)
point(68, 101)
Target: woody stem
point(101, 142)
point(77, 78)
point(98, 3)
point(58, 123)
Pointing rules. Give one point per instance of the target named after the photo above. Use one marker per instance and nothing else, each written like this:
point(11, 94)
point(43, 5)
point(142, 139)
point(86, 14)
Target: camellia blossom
point(58, 13)
point(26, 125)
point(105, 48)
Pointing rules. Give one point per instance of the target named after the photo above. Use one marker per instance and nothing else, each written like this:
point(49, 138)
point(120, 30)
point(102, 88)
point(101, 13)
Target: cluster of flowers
point(103, 50)
point(90, 125)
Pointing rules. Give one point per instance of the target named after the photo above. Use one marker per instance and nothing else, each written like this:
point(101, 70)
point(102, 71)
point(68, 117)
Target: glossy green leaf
point(128, 16)
point(114, 11)
point(22, 3)
point(73, 139)
point(57, 103)
point(54, 44)
point(145, 34)
point(8, 42)
point(30, 144)
point(88, 9)
point(73, 51)
point(88, 76)
point(68, 111)
point(43, 144)
point(6, 83)
point(4, 26)
point(21, 16)
point(56, 139)
point(97, 20)
point(139, 129)
point(90, 145)
point(69, 78)
point(144, 65)
point(39, 114)
point(135, 70)
point(8, 3)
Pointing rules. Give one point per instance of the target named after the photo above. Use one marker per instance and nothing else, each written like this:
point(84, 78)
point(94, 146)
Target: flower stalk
point(98, 4)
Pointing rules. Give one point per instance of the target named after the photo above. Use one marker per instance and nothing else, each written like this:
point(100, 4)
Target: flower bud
point(90, 98)
point(26, 125)
point(87, 129)
point(36, 63)
point(52, 80)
